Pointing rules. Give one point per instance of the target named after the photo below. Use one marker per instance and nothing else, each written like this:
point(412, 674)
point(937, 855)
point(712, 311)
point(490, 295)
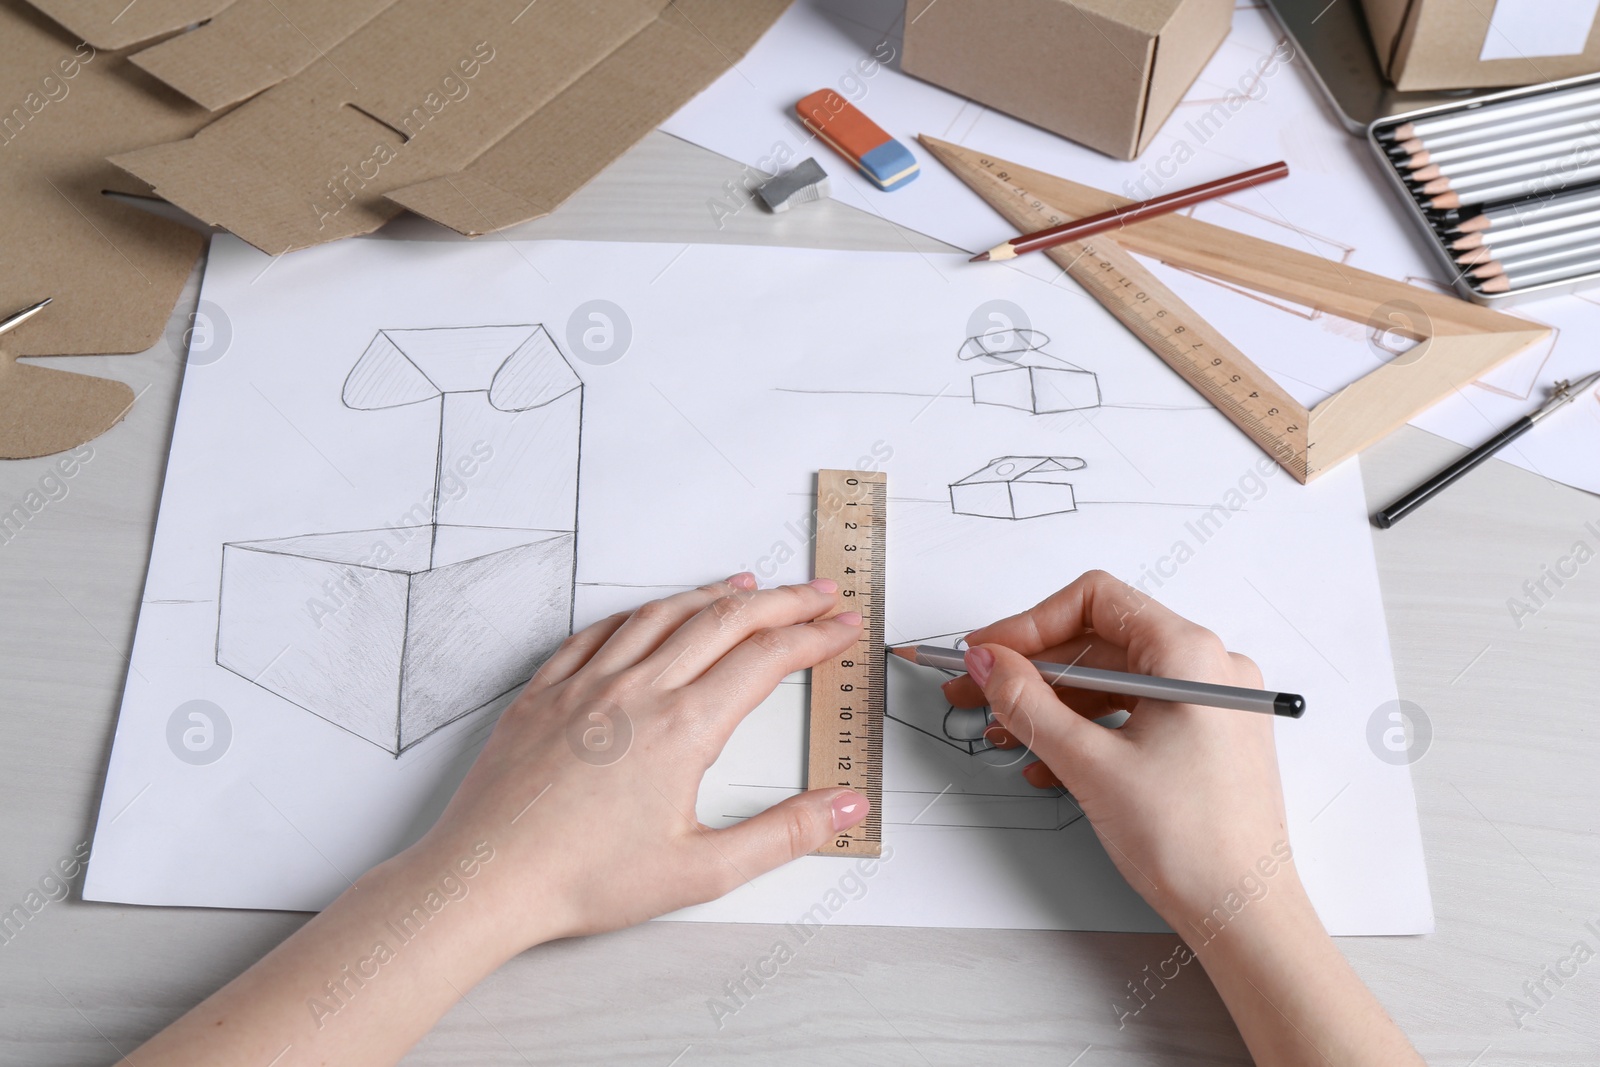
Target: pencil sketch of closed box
point(1018, 487)
point(395, 631)
point(1030, 379)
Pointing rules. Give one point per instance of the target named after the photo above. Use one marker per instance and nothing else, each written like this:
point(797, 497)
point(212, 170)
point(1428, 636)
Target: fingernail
point(849, 808)
point(849, 618)
point(1000, 737)
point(980, 662)
point(825, 585)
point(1040, 776)
point(742, 580)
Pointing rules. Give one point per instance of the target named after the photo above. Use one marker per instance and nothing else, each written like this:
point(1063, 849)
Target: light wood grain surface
point(1509, 792)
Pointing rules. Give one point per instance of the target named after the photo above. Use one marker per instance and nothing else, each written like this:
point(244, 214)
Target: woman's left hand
point(585, 793)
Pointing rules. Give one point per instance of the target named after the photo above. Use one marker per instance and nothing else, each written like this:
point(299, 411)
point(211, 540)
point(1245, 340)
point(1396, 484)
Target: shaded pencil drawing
point(960, 728)
point(395, 631)
point(1018, 487)
point(1030, 379)
point(963, 780)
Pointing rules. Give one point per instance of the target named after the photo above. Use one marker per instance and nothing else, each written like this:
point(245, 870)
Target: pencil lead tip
point(981, 257)
point(909, 652)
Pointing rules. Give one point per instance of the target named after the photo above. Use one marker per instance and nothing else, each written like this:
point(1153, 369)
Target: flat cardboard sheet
point(252, 45)
point(117, 24)
point(712, 389)
point(478, 115)
point(113, 270)
point(1252, 105)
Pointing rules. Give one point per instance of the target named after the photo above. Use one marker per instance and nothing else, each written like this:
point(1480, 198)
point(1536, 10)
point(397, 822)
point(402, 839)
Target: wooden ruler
point(1458, 342)
point(848, 690)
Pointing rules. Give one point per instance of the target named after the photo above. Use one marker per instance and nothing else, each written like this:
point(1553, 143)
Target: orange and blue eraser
point(887, 163)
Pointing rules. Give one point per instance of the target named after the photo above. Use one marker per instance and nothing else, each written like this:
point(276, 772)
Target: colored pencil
point(1130, 213)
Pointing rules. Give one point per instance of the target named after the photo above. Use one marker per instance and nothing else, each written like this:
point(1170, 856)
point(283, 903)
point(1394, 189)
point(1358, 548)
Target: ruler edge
point(1299, 465)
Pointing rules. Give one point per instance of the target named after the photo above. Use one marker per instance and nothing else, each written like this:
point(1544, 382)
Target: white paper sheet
point(1251, 105)
point(724, 403)
point(1529, 29)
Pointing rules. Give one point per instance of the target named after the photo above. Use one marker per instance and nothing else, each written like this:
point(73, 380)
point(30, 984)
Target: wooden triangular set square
point(1458, 341)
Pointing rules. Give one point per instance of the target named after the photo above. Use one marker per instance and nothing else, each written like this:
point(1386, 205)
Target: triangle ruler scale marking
point(1458, 342)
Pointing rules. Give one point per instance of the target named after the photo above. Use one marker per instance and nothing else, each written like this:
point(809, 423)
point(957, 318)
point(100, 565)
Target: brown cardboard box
point(1105, 73)
point(1437, 44)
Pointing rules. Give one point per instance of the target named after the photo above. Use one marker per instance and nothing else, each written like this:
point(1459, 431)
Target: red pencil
point(1121, 216)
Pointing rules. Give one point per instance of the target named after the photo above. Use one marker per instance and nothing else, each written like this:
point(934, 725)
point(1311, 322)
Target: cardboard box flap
point(1384, 21)
point(117, 24)
point(1174, 69)
point(314, 158)
point(113, 270)
point(1148, 17)
point(253, 45)
point(656, 72)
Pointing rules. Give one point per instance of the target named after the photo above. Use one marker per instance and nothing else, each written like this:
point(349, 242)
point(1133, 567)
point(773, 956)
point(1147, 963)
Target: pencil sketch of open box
point(946, 769)
point(395, 631)
point(1029, 379)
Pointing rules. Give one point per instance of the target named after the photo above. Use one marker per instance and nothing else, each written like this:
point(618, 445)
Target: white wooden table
point(1509, 793)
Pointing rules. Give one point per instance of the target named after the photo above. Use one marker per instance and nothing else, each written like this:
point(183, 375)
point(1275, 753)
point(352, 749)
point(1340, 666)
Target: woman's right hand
point(1186, 799)
point(1188, 804)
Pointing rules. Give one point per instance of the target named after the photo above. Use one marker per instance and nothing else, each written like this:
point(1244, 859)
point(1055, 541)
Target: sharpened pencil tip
point(981, 257)
point(909, 652)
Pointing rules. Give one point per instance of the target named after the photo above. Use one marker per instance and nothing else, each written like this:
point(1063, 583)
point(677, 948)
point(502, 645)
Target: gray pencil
point(1432, 142)
point(1495, 154)
point(1497, 113)
point(1532, 246)
point(1514, 278)
point(1566, 160)
point(1513, 232)
point(1540, 185)
point(1290, 705)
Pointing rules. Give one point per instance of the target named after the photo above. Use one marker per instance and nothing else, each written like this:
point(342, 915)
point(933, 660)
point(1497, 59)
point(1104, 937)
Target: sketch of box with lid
point(395, 631)
point(1029, 379)
point(1018, 487)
